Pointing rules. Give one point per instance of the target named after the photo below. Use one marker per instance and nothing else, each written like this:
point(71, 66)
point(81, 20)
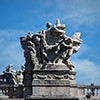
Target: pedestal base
point(52, 82)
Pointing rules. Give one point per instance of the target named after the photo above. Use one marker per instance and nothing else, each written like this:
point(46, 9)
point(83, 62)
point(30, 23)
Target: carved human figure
point(53, 38)
point(9, 75)
point(19, 77)
point(29, 50)
point(76, 41)
point(40, 44)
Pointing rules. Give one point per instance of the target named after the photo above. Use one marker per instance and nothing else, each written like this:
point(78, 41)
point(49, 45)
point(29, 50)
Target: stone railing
point(84, 91)
point(4, 89)
point(11, 90)
point(89, 91)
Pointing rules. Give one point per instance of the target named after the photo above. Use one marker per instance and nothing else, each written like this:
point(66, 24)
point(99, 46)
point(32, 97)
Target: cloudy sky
point(18, 17)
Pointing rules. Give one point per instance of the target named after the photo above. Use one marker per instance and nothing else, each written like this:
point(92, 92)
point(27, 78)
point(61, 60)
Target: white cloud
point(10, 49)
point(77, 12)
point(12, 54)
point(83, 49)
point(87, 71)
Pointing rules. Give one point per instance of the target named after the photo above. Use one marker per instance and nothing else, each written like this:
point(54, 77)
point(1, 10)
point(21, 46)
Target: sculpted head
point(58, 29)
point(76, 38)
point(49, 25)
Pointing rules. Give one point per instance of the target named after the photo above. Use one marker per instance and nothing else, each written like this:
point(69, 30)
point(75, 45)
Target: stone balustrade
point(84, 91)
point(11, 91)
point(88, 91)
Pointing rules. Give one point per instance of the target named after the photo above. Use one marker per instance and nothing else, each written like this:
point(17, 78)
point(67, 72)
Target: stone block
point(50, 92)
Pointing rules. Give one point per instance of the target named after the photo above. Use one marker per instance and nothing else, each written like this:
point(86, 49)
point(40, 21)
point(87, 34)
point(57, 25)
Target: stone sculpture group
point(47, 57)
point(48, 71)
point(50, 46)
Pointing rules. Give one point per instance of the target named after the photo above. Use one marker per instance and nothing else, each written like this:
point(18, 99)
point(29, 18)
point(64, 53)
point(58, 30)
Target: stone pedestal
point(27, 89)
point(51, 81)
point(19, 91)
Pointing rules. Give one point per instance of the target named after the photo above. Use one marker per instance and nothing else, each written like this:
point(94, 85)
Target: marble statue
point(47, 61)
point(50, 46)
point(11, 77)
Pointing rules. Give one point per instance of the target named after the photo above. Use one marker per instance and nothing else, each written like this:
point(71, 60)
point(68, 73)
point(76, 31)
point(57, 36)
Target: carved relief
point(52, 76)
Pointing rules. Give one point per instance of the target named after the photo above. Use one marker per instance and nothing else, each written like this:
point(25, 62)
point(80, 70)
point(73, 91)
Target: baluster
point(88, 90)
point(84, 91)
point(96, 92)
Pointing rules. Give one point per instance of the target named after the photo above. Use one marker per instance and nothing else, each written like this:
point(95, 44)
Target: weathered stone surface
point(50, 46)
point(52, 81)
point(49, 67)
point(48, 70)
